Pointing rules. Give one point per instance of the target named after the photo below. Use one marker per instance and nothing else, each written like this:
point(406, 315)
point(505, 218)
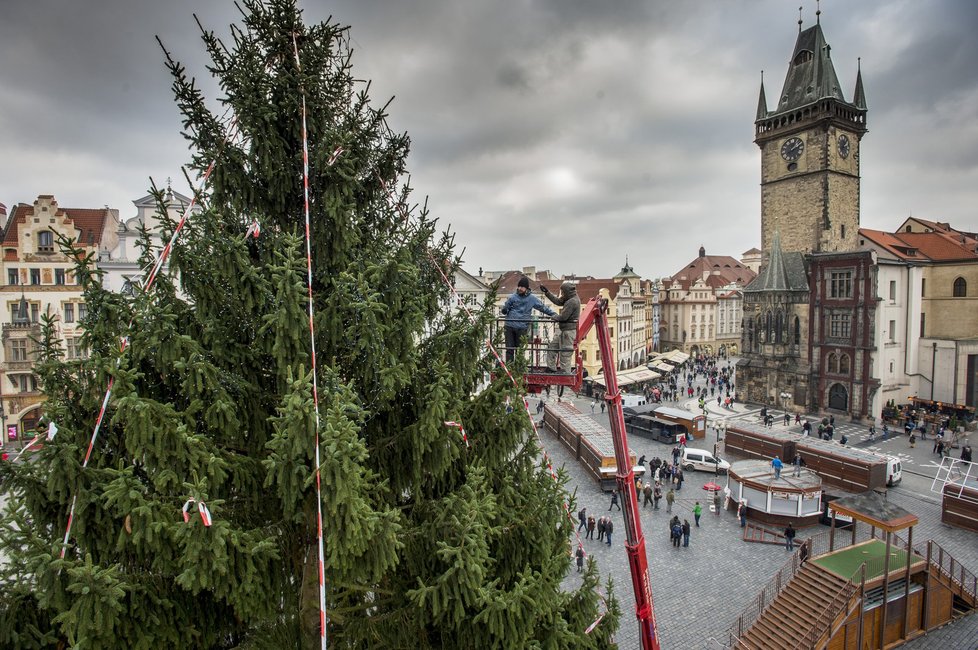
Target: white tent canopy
point(626, 377)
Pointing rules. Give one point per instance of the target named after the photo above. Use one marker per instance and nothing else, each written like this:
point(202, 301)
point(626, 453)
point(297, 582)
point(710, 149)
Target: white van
point(703, 461)
point(894, 471)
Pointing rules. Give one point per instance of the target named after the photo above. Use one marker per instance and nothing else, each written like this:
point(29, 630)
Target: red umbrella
point(712, 487)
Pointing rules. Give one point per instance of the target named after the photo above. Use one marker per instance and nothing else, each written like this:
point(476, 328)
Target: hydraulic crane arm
point(595, 314)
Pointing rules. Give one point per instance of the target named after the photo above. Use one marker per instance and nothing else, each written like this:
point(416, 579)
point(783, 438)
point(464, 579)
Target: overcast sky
point(565, 134)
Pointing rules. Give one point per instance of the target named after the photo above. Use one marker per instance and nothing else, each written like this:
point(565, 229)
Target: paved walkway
point(700, 591)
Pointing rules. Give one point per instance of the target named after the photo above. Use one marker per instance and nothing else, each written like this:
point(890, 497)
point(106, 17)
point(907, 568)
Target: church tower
point(810, 154)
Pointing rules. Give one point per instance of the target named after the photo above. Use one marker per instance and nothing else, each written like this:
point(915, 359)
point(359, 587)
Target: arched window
point(844, 364)
point(778, 326)
point(797, 332)
point(960, 288)
point(768, 324)
point(833, 363)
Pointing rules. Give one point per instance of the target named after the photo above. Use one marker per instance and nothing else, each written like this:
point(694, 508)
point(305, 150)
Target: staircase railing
point(826, 618)
point(770, 591)
point(952, 569)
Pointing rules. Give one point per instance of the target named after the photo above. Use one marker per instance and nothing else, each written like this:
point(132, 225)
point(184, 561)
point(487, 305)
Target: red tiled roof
point(944, 246)
point(91, 223)
point(721, 270)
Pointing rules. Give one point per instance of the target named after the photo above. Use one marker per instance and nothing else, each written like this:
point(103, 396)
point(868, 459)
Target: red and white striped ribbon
point(458, 425)
point(312, 344)
point(205, 514)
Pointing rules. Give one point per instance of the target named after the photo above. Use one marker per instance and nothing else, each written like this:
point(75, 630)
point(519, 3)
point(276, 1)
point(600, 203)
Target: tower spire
point(761, 101)
point(799, 20)
point(859, 95)
point(818, 12)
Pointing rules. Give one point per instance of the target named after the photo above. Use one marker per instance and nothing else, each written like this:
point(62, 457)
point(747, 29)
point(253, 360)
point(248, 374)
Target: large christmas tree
point(429, 542)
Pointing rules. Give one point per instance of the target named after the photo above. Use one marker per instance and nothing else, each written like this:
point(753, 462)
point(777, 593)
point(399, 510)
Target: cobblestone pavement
point(698, 592)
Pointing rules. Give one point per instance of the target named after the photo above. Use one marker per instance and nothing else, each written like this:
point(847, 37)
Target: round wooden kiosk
point(794, 499)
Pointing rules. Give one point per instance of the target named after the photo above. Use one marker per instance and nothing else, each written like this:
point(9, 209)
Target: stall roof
point(871, 508)
point(626, 377)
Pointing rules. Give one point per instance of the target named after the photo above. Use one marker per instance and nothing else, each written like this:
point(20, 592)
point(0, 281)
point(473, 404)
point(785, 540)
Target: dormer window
point(804, 57)
point(45, 241)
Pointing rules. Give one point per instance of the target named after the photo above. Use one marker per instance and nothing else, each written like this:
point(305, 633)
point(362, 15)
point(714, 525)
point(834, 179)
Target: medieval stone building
point(808, 316)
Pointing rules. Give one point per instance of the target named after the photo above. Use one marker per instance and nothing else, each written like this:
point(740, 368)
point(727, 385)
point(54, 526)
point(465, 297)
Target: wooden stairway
point(788, 620)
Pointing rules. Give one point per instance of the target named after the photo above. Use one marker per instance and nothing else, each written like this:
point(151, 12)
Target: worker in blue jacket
point(518, 310)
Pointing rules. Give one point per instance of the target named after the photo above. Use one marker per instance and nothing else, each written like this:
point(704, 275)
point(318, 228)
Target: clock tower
point(810, 154)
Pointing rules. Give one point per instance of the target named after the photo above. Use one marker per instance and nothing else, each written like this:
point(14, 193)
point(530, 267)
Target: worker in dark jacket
point(566, 335)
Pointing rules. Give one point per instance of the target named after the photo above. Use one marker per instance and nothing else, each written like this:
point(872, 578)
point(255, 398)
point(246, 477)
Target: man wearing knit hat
point(518, 311)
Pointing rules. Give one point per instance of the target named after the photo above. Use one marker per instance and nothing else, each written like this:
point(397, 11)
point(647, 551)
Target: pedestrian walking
point(602, 407)
point(679, 478)
point(686, 530)
point(697, 512)
point(592, 407)
point(742, 513)
point(590, 527)
point(913, 439)
point(580, 558)
point(670, 499)
point(614, 500)
point(789, 538)
point(966, 453)
point(787, 418)
point(675, 531)
point(601, 521)
point(797, 463)
point(647, 492)
point(716, 503)
point(608, 528)
point(582, 517)
point(657, 496)
point(777, 465)
point(938, 442)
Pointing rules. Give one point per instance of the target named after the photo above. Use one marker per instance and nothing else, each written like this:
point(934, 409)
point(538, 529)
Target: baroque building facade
point(701, 306)
point(39, 279)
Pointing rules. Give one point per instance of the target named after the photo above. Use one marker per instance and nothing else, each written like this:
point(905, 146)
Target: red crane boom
point(595, 314)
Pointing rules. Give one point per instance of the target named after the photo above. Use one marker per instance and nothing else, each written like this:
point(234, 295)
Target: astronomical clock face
point(844, 146)
point(792, 149)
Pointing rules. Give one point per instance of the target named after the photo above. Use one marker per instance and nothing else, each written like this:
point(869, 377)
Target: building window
point(891, 367)
point(922, 321)
point(35, 276)
point(892, 331)
point(832, 363)
point(45, 241)
point(69, 312)
point(74, 348)
point(13, 276)
point(839, 326)
point(844, 364)
point(82, 311)
point(583, 355)
point(840, 285)
point(18, 349)
point(35, 309)
point(59, 276)
point(892, 290)
point(923, 287)
point(960, 289)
